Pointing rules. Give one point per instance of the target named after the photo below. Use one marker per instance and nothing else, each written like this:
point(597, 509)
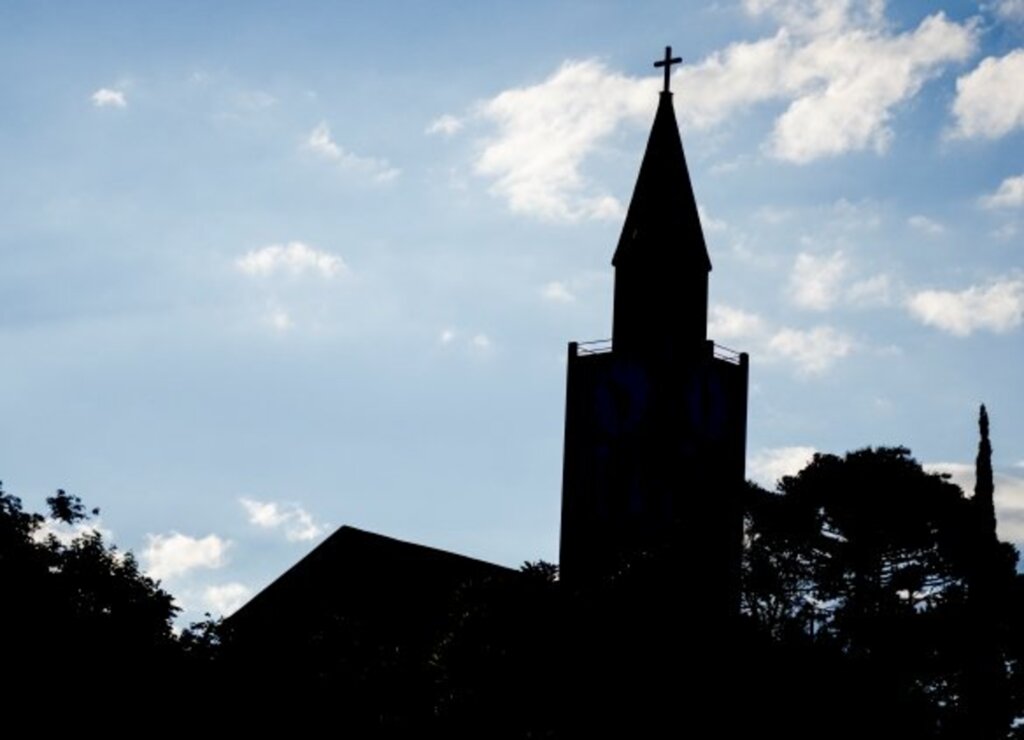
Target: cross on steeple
point(667, 63)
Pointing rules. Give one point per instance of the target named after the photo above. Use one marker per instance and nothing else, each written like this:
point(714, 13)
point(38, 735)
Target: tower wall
point(654, 450)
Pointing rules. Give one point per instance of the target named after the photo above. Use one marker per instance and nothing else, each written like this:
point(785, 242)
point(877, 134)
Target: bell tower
point(655, 427)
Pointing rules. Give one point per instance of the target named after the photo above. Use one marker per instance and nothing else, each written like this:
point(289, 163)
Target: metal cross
point(667, 63)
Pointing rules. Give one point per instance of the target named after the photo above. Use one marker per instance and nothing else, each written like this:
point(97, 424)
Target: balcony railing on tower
point(602, 346)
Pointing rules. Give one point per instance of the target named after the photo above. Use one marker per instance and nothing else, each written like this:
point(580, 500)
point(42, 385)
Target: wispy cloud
point(476, 343)
point(108, 98)
point(320, 143)
point(481, 342)
point(1010, 10)
point(997, 307)
point(446, 124)
point(294, 258)
point(925, 225)
point(297, 524)
point(811, 351)
point(816, 280)
point(557, 292)
point(874, 291)
point(726, 323)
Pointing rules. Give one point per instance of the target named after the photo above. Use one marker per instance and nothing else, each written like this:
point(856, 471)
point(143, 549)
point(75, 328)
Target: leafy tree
point(872, 559)
point(77, 609)
point(497, 666)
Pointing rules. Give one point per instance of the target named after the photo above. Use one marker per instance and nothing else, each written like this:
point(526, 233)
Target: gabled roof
point(662, 225)
point(358, 572)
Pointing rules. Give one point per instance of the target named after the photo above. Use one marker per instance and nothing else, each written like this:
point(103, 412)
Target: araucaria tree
point(873, 564)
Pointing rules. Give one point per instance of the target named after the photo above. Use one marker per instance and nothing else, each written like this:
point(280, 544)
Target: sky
point(271, 268)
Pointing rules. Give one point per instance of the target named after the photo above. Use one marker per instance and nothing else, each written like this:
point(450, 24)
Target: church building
point(655, 434)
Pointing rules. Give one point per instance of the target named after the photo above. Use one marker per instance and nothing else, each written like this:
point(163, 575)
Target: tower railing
point(721, 352)
point(594, 347)
point(603, 346)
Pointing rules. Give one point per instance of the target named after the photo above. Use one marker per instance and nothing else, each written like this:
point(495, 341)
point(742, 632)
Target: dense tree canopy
point(871, 559)
point(76, 609)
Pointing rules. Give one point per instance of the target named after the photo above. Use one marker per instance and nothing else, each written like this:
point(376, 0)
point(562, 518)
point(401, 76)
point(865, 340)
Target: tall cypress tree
point(985, 688)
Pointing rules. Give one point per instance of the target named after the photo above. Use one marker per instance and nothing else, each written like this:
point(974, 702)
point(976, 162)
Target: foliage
point(872, 559)
point(73, 603)
point(496, 665)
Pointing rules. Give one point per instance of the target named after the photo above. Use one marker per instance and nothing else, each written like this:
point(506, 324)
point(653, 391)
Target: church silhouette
point(655, 434)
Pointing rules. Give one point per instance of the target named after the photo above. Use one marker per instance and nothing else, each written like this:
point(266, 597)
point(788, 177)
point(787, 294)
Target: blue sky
point(271, 268)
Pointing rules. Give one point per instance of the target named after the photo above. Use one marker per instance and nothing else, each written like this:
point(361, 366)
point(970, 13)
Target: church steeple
point(661, 260)
point(660, 400)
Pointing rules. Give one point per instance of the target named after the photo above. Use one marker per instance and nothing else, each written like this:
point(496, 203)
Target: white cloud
point(727, 323)
point(838, 65)
point(709, 224)
point(321, 143)
point(107, 98)
point(1010, 10)
point(842, 69)
point(1010, 194)
point(65, 533)
point(169, 555)
point(295, 258)
point(481, 342)
point(813, 351)
point(545, 131)
point(557, 292)
point(872, 291)
point(990, 98)
point(1009, 496)
point(447, 336)
point(446, 124)
point(998, 307)
point(225, 598)
point(298, 524)
point(769, 465)
point(1009, 500)
point(815, 281)
point(818, 17)
point(926, 225)
point(855, 216)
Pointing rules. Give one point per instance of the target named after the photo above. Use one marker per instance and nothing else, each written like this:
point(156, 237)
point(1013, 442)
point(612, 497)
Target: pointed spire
point(661, 261)
point(662, 226)
point(984, 484)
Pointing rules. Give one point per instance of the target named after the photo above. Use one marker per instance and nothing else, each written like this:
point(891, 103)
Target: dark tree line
point(875, 600)
point(81, 626)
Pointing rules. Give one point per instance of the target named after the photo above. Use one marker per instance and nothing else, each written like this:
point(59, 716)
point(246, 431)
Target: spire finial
point(667, 63)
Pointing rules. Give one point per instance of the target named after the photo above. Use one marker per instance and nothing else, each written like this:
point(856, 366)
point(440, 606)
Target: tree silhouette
point(871, 558)
point(77, 611)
